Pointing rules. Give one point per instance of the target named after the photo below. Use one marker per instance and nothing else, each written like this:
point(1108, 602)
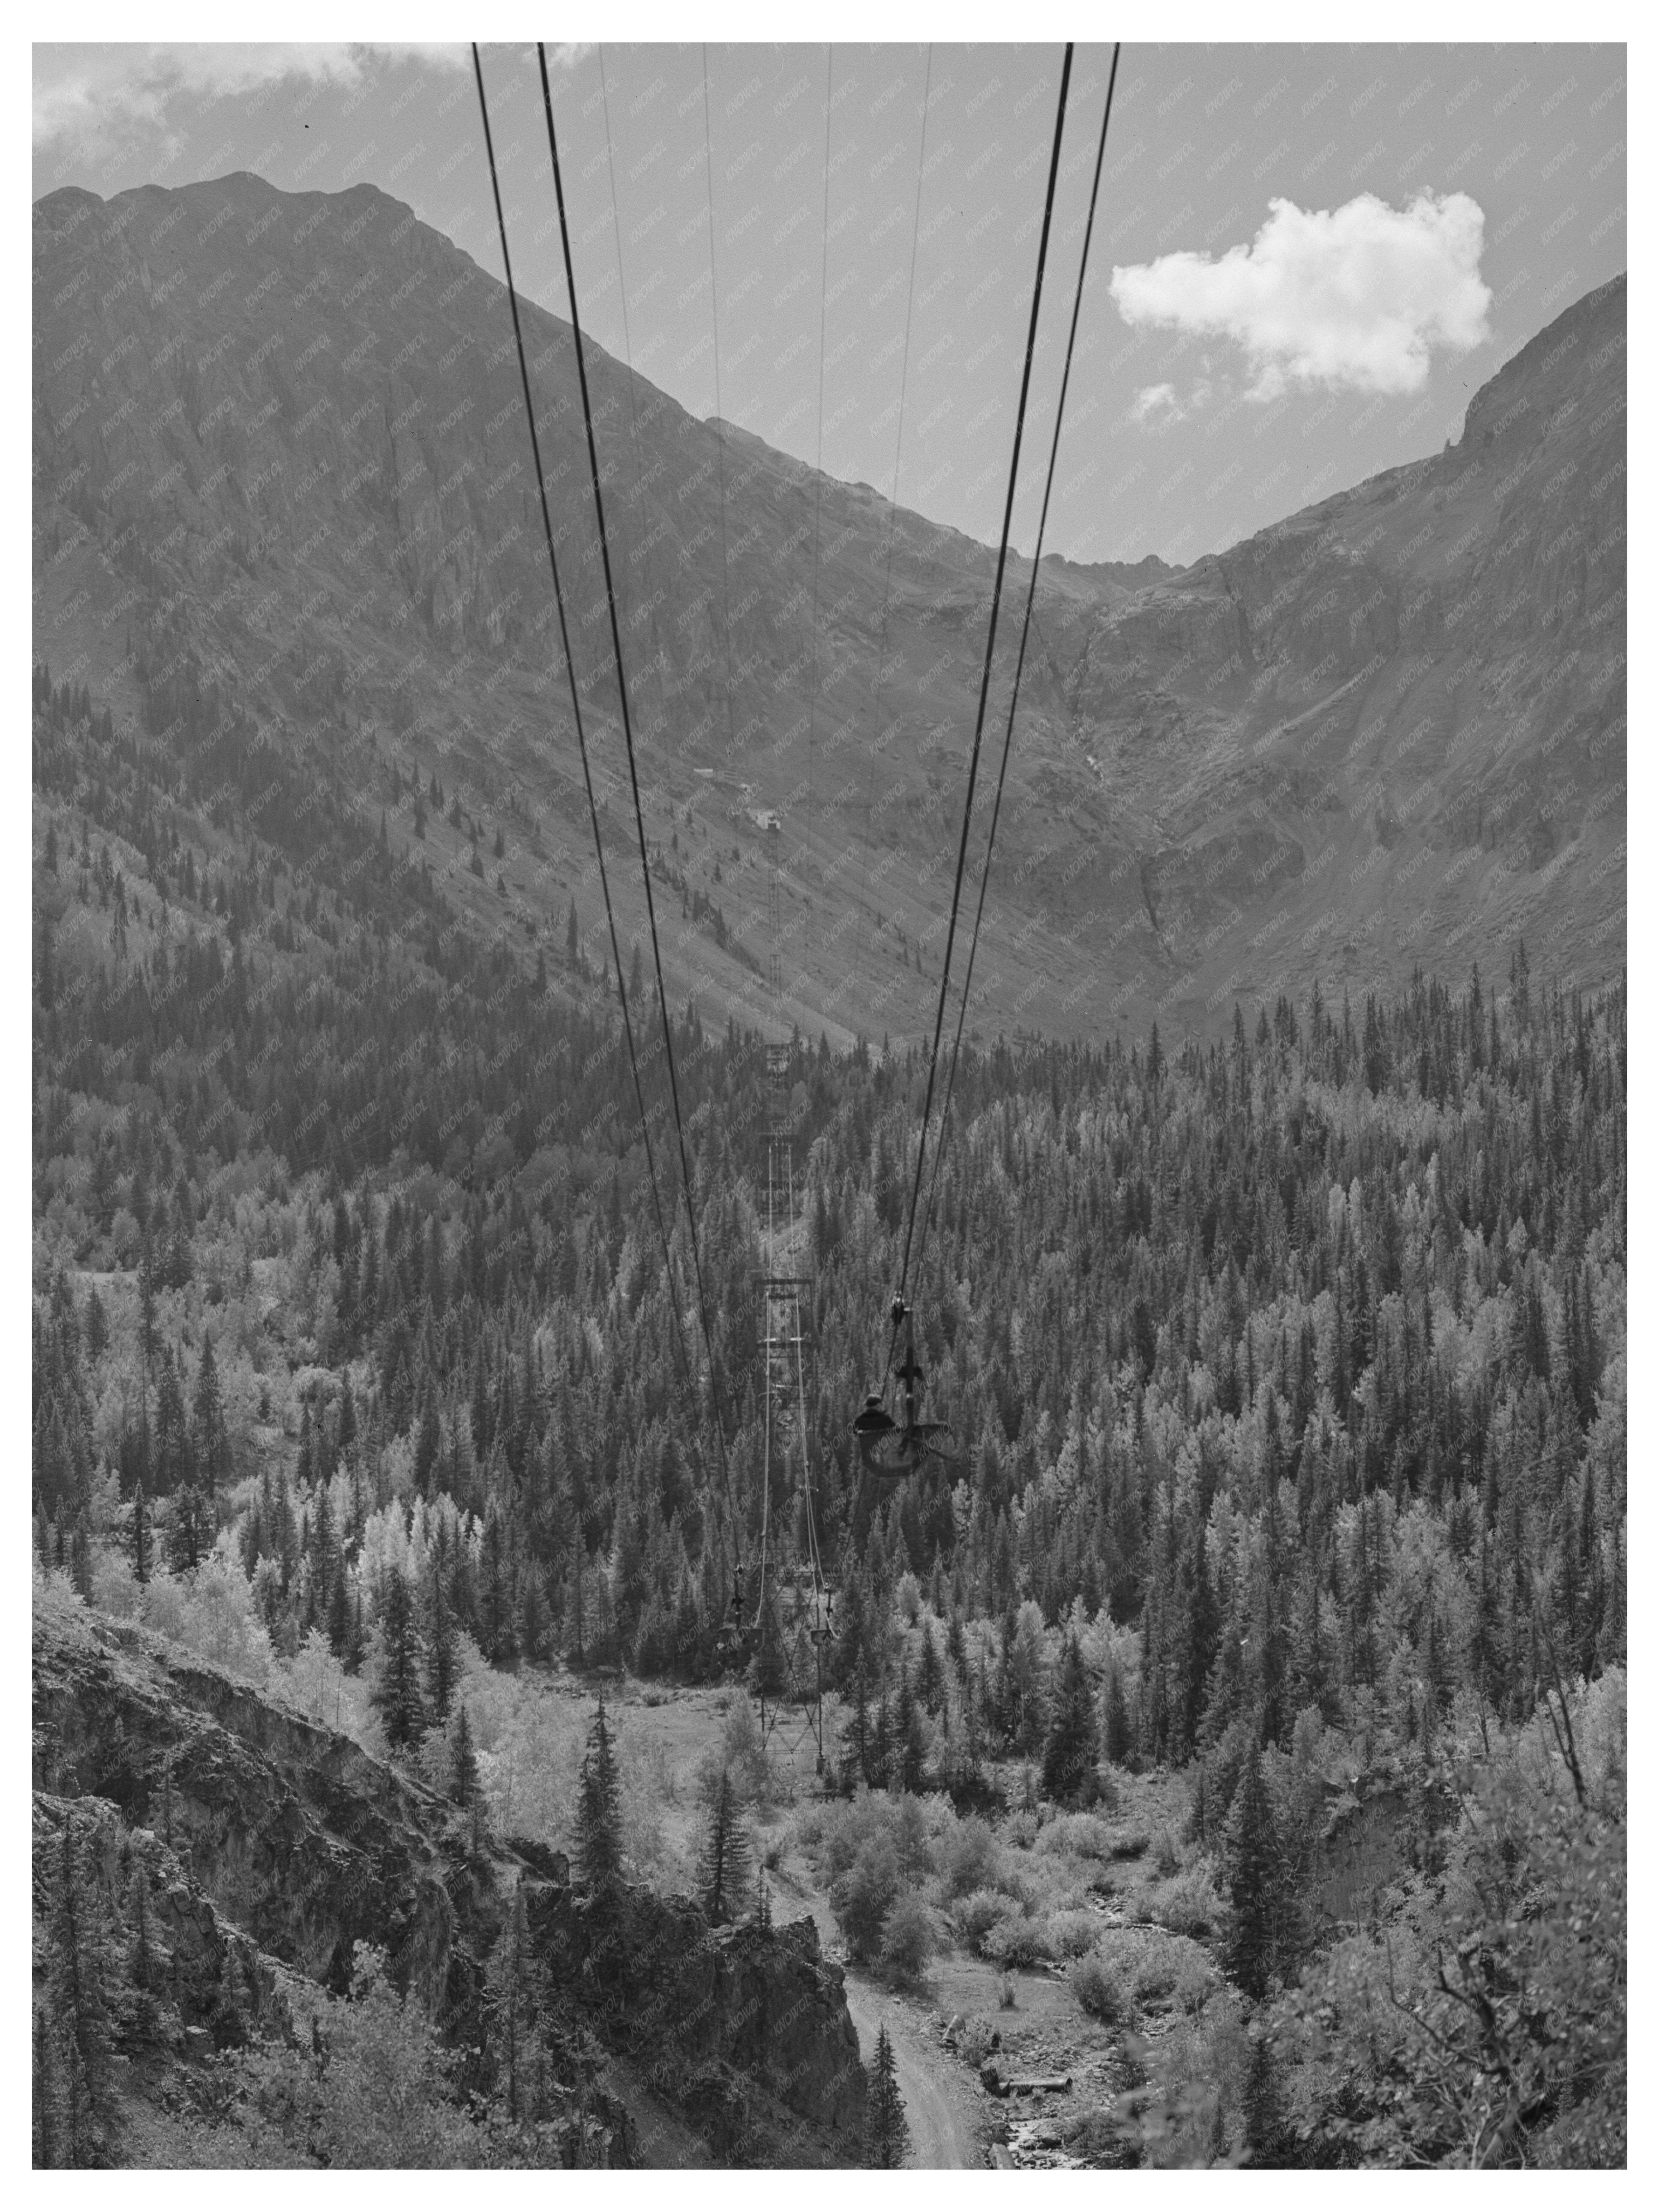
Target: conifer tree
point(534, 1626)
point(929, 1680)
point(887, 2134)
point(176, 1458)
point(463, 1783)
point(97, 1326)
point(186, 1537)
point(426, 1443)
point(881, 1744)
point(78, 1986)
point(140, 1535)
point(81, 1556)
point(496, 1605)
point(209, 1437)
point(1218, 2133)
point(857, 1741)
point(1254, 1870)
point(323, 1549)
point(908, 1752)
point(1068, 1752)
point(598, 1809)
point(47, 2093)
point(1266, 2134)
point(1115, 1738)
point(723, 1861)
point(398, 1694)
point(440, 1647)
point(340, 1611)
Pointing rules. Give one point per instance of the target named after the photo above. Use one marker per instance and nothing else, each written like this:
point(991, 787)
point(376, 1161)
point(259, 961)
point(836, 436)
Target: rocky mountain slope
point(278, 440)
point(271, 1848)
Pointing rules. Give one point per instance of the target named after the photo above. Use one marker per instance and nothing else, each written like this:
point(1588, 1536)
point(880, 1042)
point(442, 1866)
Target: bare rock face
point(720, 2018)
point(783, 2018)
point(308, 1844)
point(208, 1981)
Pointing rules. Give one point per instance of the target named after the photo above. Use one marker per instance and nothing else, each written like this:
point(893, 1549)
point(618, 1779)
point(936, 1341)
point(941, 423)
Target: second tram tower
point(783, 1305)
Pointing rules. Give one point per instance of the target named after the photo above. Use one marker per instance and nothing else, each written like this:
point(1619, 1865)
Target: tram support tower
point(783, 1349)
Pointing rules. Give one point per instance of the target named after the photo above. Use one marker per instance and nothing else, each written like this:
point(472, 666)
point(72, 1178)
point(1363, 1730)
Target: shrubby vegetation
point(1490, 2011)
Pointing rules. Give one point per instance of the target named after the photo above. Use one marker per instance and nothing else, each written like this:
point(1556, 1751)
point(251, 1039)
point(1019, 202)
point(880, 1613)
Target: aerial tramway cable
point(899, 1312)
point(885, 1445)
point(633, 397)
point(632, 770)
point(587, 778)
point(1019, 664)
point(763, 1601)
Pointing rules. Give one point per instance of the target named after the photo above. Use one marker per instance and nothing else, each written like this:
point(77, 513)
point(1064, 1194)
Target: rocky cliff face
point(698, 2007)
point(282, 436)
point(271, 1848)
point(303, 1841)
point(213, 1986)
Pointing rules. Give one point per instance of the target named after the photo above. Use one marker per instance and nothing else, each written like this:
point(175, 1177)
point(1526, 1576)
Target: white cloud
point(1155, 404)
point(83, 90)
point(1156, 400)
point(1356, 295)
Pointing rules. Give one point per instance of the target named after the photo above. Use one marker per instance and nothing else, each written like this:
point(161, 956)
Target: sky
point(1306, 258)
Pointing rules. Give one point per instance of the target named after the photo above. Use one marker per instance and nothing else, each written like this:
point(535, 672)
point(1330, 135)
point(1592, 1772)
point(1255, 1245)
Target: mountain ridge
point(283, 435)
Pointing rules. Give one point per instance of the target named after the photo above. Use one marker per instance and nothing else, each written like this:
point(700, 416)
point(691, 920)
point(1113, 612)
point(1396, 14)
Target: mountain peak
point(1548, 367)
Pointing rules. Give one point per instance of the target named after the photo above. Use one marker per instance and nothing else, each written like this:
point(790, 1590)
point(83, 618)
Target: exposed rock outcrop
point(302, 1839)
point(271, 1848)
point(685, 1997)
point(212, 1986)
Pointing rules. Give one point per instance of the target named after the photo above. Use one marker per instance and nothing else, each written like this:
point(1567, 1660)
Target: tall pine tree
point(398, 1694)
point(887, 2133)
point(1068, 1752)
point(598, 1809)
point(723, 1861)
point(1254, 1865)
point(80, 1978)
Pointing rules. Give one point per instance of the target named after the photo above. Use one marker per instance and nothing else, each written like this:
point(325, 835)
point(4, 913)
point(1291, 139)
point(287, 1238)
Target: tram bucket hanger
point(891, 1449)
point(737, 1636)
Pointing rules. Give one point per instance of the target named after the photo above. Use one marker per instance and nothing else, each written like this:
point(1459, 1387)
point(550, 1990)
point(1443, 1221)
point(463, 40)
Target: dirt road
point(935, 2105)
point(938, 2101)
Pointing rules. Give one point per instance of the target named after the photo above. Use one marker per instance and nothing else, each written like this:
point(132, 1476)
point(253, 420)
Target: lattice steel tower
point(783, 1348)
